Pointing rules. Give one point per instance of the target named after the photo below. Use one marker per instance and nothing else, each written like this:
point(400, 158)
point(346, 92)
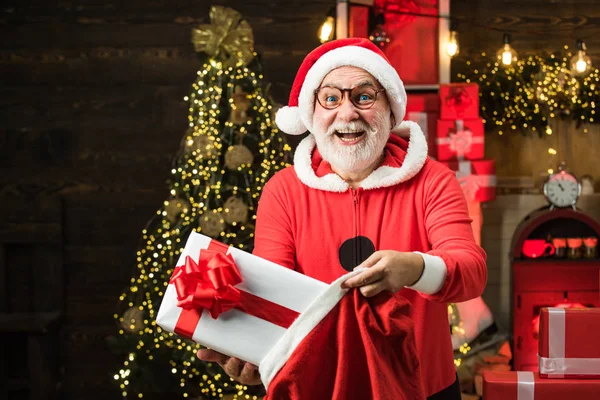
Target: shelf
point(550, 260)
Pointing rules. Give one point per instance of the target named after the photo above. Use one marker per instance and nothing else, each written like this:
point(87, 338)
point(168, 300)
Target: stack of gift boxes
point(459, 142)
point(569, 361)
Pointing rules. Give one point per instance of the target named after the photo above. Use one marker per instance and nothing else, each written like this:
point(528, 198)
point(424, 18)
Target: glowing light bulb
point(507, 55)
point(452, 47)
point(581, 64)
point(326, 29)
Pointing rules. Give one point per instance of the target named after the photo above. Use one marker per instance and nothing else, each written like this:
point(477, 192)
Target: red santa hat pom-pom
point(288, 120)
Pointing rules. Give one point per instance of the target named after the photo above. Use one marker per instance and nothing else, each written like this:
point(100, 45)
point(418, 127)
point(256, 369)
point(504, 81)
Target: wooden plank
point(95, 265)
point(124, 215)
point(94, 311)
point(70, 110)
point(43, 209)
point(536, 26)
point(112, 66)
point(33, 322)
point(42, 353)
point(180, 12)
point(3, 282)
point(19, 278)
point(49, 278)
point(113, 228)
point(112, 177)
point(26, 219)
point(166, 29)
point(30, 233)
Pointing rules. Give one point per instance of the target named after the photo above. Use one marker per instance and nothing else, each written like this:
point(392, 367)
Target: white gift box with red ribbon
point(569, 343)
point(460, 140)
point(241, 314)
point(477, 178)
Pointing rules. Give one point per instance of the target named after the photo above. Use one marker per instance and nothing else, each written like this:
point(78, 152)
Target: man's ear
point(392, 119)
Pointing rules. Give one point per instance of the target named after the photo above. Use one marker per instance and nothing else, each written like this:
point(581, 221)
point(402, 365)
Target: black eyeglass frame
point(349, 90)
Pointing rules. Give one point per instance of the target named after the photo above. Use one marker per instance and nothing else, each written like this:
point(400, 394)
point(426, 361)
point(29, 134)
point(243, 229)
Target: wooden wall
point(92, 111)
point(536, 27)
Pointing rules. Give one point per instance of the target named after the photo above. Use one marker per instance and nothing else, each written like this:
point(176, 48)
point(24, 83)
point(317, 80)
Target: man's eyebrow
point(364, 82)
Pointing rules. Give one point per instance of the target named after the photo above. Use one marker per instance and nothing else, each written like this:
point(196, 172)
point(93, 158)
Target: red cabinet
point(549, 281)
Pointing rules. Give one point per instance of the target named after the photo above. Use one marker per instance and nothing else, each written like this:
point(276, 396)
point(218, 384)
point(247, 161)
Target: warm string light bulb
point(327, 28)
point(452, 47)
point(507, 55)
point(581, 63)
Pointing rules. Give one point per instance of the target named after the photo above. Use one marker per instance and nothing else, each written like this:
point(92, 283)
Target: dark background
point(92, 113)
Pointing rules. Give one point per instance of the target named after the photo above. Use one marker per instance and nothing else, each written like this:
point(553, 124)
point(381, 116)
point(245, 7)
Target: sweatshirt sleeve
point(450, 234)
point(273, 239)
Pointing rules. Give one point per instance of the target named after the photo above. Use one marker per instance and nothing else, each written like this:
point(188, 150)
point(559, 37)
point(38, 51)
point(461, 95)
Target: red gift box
point(358, 24)
point(459, 101)
point(526, 385)
point(413, 50)
point(569, 343)
point(424, 109)
point(477, 178)
point(460, 139)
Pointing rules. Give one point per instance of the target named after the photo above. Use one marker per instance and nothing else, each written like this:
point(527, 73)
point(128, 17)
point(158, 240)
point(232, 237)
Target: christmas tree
point(229, 151)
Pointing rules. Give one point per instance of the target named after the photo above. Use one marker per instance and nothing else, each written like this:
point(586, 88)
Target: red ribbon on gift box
point(458, 99)
point(210, 284)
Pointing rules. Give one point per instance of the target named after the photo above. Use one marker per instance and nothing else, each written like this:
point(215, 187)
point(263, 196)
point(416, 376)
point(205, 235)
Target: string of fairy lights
point(215, 183)
point(527, 94)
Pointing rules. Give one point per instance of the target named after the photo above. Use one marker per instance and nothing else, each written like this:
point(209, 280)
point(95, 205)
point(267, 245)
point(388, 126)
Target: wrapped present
point(460, 139)
point(459, 101)
point(477, 178)
point(414, 50)
point(424, 109)
point(290, 325)
point(358, 21)
point(232, 301)
point(569, 343)
point(527, 385)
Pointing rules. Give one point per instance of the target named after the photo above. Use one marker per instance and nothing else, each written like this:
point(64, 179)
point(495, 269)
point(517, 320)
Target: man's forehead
point(355, 75)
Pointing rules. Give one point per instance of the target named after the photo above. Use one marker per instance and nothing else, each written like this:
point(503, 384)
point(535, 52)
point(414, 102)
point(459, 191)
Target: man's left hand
point(387, 270)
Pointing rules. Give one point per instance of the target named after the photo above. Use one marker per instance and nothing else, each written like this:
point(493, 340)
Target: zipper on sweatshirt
point(356, 225)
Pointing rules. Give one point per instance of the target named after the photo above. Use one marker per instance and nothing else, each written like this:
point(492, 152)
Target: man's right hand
point(241, 371)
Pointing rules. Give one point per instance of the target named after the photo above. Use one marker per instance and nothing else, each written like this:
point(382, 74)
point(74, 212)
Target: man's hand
point(387, 270)
point(241, 371)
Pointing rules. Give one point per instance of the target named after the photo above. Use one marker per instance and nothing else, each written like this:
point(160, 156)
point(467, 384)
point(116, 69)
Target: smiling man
point(363, 193)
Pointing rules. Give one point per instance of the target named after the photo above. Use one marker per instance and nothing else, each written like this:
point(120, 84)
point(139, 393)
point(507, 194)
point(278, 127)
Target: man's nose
point(347, 111)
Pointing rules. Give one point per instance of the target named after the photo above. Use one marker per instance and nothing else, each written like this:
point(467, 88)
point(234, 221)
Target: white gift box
point(234, 332)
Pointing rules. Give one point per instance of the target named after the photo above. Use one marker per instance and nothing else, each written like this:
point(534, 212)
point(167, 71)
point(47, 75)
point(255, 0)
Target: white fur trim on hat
point(288, 120)
point(359, 57)
point(384, 176)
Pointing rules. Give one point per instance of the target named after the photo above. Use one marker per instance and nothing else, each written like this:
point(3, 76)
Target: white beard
point(358, 157)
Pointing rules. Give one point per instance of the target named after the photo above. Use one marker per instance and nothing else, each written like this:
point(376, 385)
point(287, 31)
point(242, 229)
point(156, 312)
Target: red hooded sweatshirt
point(311, 221)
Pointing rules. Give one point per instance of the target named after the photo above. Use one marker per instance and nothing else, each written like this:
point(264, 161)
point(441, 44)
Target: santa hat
point(296, 117)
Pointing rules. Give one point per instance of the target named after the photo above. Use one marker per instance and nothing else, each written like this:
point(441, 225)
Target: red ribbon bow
point(208, 284)
point(458, 99)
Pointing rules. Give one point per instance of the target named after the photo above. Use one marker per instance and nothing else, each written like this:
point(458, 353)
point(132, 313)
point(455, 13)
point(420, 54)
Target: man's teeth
point(350, 135)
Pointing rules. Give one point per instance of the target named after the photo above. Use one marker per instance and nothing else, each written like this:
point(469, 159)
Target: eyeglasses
point(363, 97)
